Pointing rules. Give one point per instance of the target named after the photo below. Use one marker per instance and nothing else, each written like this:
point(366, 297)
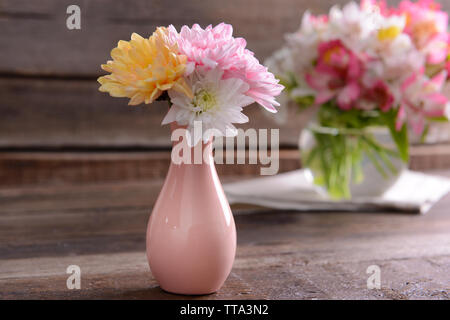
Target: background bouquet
point(366, 66)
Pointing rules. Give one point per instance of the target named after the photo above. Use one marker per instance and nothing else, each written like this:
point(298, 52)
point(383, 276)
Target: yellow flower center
point(204, 100)
point(389, 33)
point(329, 54)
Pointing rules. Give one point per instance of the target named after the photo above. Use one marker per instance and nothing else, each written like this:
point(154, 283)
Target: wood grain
point(73, 113)
point(62, 168)
point(49, 101)
point(281, 254)
point(49, 94)
point(49, 97)
point(57, 114)
point(31, 168)
point(38, 41)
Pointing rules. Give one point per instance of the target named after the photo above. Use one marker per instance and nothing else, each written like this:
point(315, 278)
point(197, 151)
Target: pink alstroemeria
point(215, 47)
point(378, 95)
point(422, 98)
point(427, 25)
point(336, 75)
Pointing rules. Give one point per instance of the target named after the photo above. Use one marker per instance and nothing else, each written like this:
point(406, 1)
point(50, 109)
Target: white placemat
point(413, 192)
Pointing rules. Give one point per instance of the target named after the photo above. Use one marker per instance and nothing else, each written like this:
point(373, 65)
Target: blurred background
point(55, 127)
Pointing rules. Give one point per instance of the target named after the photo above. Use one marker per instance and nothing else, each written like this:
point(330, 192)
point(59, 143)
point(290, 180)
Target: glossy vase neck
point(199, 155)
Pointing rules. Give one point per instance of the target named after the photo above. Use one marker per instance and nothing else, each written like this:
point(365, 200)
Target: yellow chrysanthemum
point(143, 68)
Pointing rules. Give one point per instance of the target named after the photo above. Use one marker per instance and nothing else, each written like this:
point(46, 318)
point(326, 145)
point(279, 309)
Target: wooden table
point(280, 255)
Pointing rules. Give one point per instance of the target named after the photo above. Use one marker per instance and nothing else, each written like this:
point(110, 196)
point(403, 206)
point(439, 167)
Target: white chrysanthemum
point(281, 64)
point(216, 102)
point(302, 44)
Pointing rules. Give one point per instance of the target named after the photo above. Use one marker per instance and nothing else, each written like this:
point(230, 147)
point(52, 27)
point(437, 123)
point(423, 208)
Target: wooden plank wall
point(48, 92)
point(49, 95)
point(49, 99)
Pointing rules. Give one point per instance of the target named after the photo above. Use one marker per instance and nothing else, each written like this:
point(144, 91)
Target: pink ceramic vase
point(191, 235)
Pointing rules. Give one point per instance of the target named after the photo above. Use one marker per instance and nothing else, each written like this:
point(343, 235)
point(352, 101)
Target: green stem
point(343, 138)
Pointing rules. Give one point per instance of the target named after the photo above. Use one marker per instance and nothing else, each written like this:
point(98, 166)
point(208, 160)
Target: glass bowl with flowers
point(376, 75)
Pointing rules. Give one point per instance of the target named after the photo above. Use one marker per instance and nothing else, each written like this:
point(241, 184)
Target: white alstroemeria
point(398, 57)
point(302, 44)
point(281, 64)
point(389, 38)
point(313, 28)
point(217, 103)
point(352, 25)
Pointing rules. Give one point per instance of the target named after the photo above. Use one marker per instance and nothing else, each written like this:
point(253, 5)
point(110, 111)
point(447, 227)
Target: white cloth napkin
point(413, 192)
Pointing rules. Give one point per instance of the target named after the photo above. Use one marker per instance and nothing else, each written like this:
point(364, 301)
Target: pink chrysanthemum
point(216, 47)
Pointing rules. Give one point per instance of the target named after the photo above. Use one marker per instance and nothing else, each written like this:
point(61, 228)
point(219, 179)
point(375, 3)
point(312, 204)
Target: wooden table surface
point(280, 255)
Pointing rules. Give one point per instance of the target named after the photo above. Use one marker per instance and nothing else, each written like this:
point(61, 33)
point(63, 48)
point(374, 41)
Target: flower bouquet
point(374, 73)
point(208, 77)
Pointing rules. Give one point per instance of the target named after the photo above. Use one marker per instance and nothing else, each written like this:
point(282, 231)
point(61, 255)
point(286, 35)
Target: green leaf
point(288, 81)
point(304, 102)
point(438, 119)
point(424, 134)
point(400, 137)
